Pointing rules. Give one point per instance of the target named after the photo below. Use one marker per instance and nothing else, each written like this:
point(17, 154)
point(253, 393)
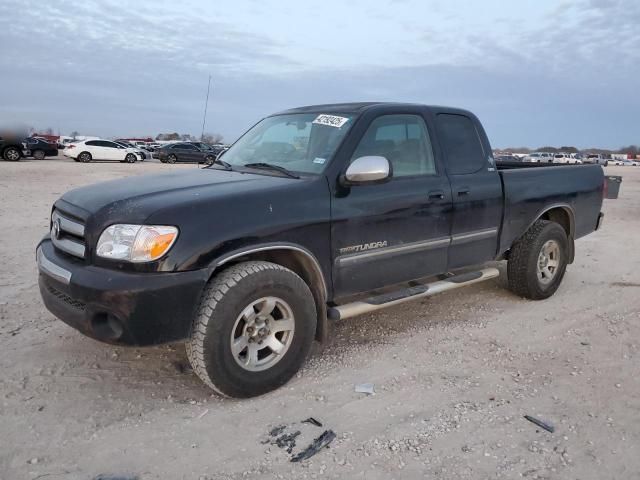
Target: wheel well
point(306, 268)
point(561, 216)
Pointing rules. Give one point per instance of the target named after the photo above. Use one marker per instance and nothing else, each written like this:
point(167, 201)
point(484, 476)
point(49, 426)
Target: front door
point(113, 151)
point(399, 230)
point(476, 190)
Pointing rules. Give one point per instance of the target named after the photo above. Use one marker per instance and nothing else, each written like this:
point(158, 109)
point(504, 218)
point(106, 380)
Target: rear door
point(476, 190)
point(97, 150)
point(191, 153)
point(399, 230)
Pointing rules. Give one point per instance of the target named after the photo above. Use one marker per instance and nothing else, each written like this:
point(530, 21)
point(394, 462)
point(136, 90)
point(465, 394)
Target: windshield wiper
point(271, 166)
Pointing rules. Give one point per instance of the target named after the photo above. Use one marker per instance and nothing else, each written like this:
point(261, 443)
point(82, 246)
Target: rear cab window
point(461, 143)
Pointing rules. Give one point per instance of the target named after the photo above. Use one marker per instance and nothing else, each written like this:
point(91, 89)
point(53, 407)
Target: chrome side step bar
point(385, 300)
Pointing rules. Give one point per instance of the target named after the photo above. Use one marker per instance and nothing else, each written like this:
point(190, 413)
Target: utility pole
point(206, 104)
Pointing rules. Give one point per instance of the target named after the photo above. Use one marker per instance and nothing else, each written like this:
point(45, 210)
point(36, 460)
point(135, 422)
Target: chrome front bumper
point(49, 268)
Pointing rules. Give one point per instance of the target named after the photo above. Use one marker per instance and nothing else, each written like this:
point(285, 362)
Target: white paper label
point(331, 120)
point(319, 160)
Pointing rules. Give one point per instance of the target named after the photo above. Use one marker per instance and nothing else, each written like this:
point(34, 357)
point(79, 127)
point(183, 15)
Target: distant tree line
point(186, 137)
point(631, 149)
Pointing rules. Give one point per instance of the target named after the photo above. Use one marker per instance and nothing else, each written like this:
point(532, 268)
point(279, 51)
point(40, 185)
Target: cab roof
point(361, 107)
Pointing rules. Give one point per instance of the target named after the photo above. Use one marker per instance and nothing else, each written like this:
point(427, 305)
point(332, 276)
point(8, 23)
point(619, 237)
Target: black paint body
point(220, 213)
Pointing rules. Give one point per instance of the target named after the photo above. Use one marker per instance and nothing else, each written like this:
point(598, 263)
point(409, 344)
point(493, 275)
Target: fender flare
point(321, 298)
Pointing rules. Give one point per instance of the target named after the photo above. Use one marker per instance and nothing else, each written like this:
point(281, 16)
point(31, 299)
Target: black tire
point(209, 159)
point(524, 258)
point(130, 158)
point(85, 157)
point(226, 297)
point(11, 154)
point(606, 164)
point(39, 155)
point(172, 159)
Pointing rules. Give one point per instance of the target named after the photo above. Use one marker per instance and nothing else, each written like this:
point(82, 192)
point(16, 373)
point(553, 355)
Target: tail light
point(71, 146)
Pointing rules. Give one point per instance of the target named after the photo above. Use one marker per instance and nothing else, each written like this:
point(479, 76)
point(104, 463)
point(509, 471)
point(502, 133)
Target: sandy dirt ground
point(453, 374)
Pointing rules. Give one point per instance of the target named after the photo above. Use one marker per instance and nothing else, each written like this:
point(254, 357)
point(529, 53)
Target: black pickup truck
point(315, 214)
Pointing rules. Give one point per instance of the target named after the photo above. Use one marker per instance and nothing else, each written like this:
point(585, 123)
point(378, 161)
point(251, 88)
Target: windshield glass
point(301, 142)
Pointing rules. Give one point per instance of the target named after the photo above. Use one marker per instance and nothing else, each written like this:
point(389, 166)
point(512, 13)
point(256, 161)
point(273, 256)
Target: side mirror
point(369, 169)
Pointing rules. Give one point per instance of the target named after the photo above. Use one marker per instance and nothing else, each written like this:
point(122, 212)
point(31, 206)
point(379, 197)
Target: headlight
point(136, 243)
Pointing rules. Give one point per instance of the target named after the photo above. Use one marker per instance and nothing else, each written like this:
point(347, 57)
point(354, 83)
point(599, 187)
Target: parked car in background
point(142, 155)
point(539, 157)
point(39, 148)
point(92, 150)
point(630, 163)
point(565, 158)
point(616, 161)
point(596, 158)
point(187, 152)
point(12, 148)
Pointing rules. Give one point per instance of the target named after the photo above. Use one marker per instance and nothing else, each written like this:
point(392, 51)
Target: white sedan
point(89, 150)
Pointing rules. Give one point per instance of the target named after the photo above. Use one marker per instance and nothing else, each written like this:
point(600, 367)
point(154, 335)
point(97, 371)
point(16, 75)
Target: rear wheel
point(39, 155)
point(253, 330)
point(85, 157)
point(172, 158)
point(11, 154)
point(538, 261)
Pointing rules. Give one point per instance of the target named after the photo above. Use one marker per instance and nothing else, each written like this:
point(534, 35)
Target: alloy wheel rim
point(548, 262)
point(262, 334)
point(13, 154)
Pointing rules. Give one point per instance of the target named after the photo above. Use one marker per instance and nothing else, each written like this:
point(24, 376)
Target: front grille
point(67, 234)
point(78, 305)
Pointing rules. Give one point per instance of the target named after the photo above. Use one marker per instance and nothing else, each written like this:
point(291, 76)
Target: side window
point(188, 146)
point(93, 143)
point(461, 143)
point(401, 139)
point(110, 144)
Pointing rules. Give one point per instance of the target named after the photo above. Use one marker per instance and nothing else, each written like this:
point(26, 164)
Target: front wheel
point(253, 330)
point(208, 160)
point(538, 261)
point(130, 158)
point(172, 159)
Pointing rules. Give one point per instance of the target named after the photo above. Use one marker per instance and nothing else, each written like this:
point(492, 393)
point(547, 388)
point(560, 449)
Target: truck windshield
point(303, 143)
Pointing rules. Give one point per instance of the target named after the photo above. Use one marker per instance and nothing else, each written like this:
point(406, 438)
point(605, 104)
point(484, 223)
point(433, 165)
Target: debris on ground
point(287, 436)
point(318, 444)
point(548, 427)
point(312, 421)
point(365, 388)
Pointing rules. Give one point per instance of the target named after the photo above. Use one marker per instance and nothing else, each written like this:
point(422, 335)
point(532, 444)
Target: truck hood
point(145, 194)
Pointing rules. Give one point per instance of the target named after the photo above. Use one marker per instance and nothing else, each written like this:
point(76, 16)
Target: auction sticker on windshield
point(331, 120)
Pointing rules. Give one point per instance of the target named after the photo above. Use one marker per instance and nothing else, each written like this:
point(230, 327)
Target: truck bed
point(530, 189)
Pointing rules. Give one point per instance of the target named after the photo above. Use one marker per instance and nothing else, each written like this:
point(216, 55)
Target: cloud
point(558, 73)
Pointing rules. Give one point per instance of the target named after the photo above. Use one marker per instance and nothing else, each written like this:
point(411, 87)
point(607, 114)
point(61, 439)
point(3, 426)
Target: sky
point(536, 72)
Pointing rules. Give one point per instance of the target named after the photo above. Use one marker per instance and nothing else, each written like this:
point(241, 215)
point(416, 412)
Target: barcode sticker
point(331, 120)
